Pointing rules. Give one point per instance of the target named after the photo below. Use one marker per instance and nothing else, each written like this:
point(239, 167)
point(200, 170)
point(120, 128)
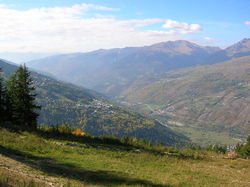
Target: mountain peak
point(181, 47)
point(245, 40)
point(175, 43)
point(240, 48)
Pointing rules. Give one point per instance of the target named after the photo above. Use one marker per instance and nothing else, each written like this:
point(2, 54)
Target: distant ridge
point(111, 71)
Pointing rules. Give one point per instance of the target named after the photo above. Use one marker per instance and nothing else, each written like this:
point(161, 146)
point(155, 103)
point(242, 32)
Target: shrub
point(110, 140)
point(243, 149)
point(125, 140)
point(45, 128)
point(64, 129)
point(218, 149)
point(78, 132)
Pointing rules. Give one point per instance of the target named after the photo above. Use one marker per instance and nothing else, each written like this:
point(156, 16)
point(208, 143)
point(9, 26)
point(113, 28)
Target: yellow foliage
point(133, 140)
point(78, 132)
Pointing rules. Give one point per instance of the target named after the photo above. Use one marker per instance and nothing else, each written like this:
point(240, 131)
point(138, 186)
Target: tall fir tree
point(2, 98)
point(9, 94)
point(21, 99)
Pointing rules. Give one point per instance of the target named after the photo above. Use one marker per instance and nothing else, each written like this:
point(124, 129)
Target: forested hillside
point(63, 103)
point(213, 98)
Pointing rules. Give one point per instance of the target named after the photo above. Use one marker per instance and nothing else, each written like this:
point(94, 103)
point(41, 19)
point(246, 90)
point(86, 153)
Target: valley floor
point(32, 160)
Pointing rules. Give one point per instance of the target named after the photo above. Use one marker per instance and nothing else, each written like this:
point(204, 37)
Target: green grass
point(105, 164)
point(154, 106)
point(205, 137)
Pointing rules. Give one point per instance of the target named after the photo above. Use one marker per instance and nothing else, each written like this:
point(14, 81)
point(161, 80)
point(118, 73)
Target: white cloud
point(67, 29)
point(2, 5)
point(104, 16)
point(247, 22)
point(209, 39)
point(141, 22)
point(181, 27)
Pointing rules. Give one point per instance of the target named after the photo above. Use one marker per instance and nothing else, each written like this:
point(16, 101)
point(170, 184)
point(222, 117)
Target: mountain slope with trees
point(212, 98)
point(66, 104)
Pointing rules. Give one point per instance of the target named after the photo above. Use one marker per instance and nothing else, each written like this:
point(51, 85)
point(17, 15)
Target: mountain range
point(66, 104)
point(111, 71)
point(181, 84)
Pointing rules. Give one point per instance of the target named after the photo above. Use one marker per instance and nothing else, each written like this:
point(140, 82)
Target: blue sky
point(77, 25)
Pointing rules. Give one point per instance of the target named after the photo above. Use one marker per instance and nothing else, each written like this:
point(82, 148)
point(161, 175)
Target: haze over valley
point(199, 88)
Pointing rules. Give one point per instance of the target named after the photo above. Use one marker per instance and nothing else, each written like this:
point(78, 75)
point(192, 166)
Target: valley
point(209, 98)
point(77, 107)
point(196, 90)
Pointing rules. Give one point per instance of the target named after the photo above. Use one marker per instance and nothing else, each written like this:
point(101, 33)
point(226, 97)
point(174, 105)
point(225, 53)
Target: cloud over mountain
point(181, 27)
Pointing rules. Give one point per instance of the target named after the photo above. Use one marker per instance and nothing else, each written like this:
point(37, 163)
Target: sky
point(66, 26)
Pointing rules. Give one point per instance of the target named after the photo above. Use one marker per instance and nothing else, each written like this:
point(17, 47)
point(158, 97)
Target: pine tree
point(9, 94)
point(21, 99)
point(2, 103)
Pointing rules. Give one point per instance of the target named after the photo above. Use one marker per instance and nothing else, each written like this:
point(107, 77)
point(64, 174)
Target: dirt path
point(19, 173)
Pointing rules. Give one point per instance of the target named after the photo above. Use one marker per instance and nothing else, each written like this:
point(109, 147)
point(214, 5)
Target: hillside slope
point(31, 160)
point(63, 103)
point(210, 98)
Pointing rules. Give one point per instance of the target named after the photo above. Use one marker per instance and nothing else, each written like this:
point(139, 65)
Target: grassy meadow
point(40, 160)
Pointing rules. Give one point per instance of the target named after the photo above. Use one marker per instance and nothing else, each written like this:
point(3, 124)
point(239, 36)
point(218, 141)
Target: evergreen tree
point(8, 115)
point(2, 103)
point(21, 99)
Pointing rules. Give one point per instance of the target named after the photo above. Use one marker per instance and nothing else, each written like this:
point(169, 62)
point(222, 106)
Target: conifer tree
point(8, 112)
point(2, 103)
point(21, 99)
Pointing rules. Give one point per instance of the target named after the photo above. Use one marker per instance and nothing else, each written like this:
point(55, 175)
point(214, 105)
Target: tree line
point(17, 100)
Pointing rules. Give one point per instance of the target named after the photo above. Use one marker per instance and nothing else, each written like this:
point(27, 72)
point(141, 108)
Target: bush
point(64, 129)
point(78, 132)
point(125, 140)
point(244, 149)
point(45, 128)
point(217, 148)
point(110, 140)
